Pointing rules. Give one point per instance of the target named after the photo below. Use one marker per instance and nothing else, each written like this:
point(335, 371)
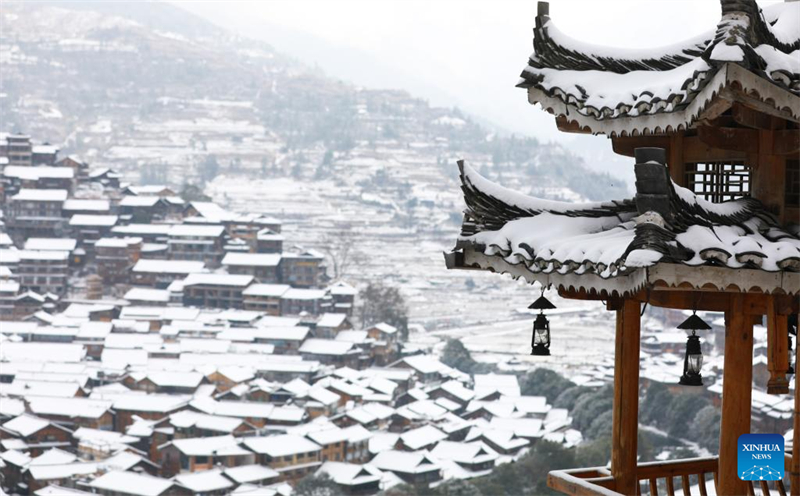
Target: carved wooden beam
point(748, 117)
point(729, 138)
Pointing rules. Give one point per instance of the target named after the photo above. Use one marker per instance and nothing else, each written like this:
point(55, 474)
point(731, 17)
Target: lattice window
point(792, 198)
point(718, 181)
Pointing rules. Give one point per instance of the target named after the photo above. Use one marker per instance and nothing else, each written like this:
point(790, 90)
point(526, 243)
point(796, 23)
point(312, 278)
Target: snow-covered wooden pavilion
point(713, 124)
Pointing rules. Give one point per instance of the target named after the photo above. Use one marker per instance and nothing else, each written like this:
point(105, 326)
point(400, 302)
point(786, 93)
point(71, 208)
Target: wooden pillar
point(736, 394)
point(677, 167)
point(626, 398)
point(777, 349)
point(794, 468)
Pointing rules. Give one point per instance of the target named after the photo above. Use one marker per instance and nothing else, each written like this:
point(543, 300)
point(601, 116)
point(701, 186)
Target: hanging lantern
point(540, 341)
point(693, 360)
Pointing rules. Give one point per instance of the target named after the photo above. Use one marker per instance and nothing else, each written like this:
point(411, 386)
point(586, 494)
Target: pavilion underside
point(714, 125)
point(736, 259)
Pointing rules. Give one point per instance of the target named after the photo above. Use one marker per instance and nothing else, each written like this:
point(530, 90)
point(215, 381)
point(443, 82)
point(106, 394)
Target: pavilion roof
point(619, 91)
point(665, 233)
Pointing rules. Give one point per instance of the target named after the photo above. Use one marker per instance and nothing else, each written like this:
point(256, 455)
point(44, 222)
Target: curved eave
point(625, 285)
point(660, 275)
point(766, 96)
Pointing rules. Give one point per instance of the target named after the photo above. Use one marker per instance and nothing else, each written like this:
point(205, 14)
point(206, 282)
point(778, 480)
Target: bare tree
point(342, 248)
point(381, 303)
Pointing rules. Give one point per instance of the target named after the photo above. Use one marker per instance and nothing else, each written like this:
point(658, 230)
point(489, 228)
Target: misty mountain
point(163, 95)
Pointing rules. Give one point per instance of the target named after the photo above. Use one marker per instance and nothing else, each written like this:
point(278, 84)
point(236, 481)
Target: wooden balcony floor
point(687, 477)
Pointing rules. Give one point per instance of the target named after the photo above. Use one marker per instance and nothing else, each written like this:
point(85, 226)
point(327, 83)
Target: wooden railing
point(688, 477)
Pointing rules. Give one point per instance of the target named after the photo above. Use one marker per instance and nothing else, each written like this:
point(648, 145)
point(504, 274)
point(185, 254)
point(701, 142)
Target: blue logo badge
point(761, 457)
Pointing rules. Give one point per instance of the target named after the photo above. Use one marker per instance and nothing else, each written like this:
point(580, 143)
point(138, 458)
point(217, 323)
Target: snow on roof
point(250, 473)
point(143, 229)
point(378, 410)
point(26, 425)
point(212, 212)
point(326, 347)
point(136, 402)
point(42, 255)
point(11, 407)
point(150, 189)
point(385, 328)
point(421, 437)
point(238, 409)
point(614, 241)
point(355, 337)
point(103, 439)
point(269, 235)
point(343, 289)
point(68, 407)
point(475, 452)
point(236, 373)
point(486, 384)
point(9, 287)
point(405, 462)
point(349, 474)
point(53, 456)
point(204, 481)
point(303, 294)
point(169, 266)
point(131, 341)
point(324, 396)
point(331, 320)
point(195, 231)
point(328, 436)
point(148, 294)
point(51, 244)
point(164, 378)
point(187, 419)
point(218, 280)
point(273, 321)
point(266, 290)
point(521, 427)
point(425, 364)
point(131, 483)
point(139, 201)
point(252, 259)
point(15, 457)
point(210, 446)
point(41, 352)
point(456, 389)
point(93, 220)
point(22, 387)
point(86, 205)
point(422, 409)
point(63, 471)
point(611, 90)
point(280, 333)
point(29, 173)
point(56, 490)
point(281, 445)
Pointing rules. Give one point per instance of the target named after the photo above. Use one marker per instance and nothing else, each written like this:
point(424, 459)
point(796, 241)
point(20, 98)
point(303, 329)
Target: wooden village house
point(712, 126)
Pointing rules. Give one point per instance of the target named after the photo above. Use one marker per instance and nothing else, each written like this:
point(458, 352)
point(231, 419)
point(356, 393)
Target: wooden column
point(794, 468)
point(777, 349)
point(736, 394)
point(677, 167)
point(626, 398)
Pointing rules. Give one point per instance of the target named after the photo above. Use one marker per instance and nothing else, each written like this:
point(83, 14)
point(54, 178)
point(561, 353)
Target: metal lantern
point(693, 360)
point(540, 341)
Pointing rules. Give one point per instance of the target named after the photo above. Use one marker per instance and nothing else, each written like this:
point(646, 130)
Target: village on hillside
point(155, 345)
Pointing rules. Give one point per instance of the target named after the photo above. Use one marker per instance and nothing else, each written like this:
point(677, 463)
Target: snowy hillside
point(263, 133)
